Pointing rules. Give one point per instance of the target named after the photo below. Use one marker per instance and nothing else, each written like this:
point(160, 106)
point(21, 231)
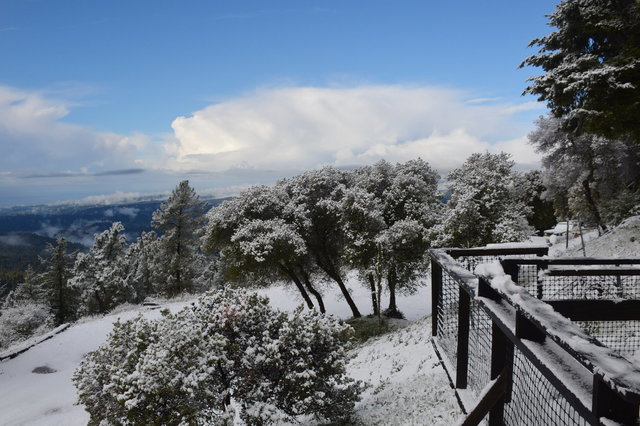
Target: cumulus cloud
point(34, 136)
point(305, 127)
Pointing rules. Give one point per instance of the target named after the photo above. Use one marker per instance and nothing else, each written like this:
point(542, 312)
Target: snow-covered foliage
point(317, 225)
point(227, 355)
point(587, 176)
point(406, 383)
point(591, 65)
point(100, 275)
point(141, 258)
point(484, 207)
point(22, 320)
point(62, 298)
point(180, 220)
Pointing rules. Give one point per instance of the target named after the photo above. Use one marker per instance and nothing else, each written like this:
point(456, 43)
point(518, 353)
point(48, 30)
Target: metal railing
point(520, 361)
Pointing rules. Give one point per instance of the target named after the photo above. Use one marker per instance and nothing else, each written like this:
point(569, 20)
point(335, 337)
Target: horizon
point(100, 99)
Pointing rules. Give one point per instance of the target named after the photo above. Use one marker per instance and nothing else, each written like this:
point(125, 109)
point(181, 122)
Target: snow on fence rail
point(522, 360)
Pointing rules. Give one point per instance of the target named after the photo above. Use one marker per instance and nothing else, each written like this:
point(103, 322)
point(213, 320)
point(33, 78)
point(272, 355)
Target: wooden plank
point(610, 405)
point(525, 329)
point(462, 356)
point(436, 289)
point(493, 392)
point(501, 366)
point(597, 310)
point(593, 261)
point(539, 364)
point(629, 389)
point(621, 271)
point(484, 251)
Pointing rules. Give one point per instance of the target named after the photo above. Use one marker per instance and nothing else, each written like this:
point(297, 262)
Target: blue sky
point(100, 98)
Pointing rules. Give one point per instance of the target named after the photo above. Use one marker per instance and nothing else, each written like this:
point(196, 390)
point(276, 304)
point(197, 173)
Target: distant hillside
point(19, 250)
point(25, 231)
point(78, 223)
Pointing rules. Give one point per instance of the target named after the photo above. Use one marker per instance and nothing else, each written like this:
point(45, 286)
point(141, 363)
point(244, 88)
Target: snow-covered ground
point(406, 383)
point(407, 386)
point(621, 241)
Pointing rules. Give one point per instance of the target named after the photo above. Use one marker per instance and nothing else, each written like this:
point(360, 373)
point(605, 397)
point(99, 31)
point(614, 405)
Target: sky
point(107, 100)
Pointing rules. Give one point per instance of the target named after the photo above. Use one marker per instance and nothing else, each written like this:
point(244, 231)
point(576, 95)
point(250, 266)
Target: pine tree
point(100, 275)
point(180, 220)
point(591, 65)
point(141, 261)
point(61, 298)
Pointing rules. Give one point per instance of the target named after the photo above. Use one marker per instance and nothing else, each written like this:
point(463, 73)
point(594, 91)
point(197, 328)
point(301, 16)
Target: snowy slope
point(407, 386)
point(28, 398)
point(621, 241)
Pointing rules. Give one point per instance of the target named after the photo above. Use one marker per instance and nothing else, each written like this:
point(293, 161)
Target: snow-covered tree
point(101, 275)
point(403, 210)
point(141, 260)
point(23, 319)
point(257, 244)
point(362, 221)
point(62, 298)
point(530, 188)
point(591, 65)
point(31, 289)
point(180, 220)
point(229, 353)
point(484, 207)
point(583, 172)
point(315, 210)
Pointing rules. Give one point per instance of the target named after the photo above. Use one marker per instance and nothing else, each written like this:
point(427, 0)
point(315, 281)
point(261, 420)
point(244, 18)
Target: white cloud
point(305, 127)
point(34, 137)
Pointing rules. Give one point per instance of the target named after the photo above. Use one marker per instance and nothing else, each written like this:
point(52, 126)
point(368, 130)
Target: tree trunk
point(316, 294)
point(291, 274)
point(345, 292)
point(374, 299)
point(392, 280)
point(586, 186)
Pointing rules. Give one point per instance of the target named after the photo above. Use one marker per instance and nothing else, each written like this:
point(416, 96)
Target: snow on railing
point(555, 372)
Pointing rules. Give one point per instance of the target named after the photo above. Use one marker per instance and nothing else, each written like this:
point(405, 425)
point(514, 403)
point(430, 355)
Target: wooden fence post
point(501, 367)
point(462, 365)
point(436, 288)
point(609, 404)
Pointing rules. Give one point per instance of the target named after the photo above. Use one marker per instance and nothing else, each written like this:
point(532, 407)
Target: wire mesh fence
point(621, 336)
point(535, 394)
point(479, 348)
point(448, 316)
point(601, 287)
point(535, 401)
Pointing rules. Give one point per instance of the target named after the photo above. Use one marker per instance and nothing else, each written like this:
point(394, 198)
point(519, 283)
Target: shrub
point(23, 320)
point(228, 353)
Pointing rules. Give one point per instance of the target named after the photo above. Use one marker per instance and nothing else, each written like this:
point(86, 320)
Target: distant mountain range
point(25, 231)
point(78, 223)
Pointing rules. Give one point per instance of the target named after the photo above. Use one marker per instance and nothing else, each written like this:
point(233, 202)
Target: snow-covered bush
point(229, 352)
point(22, 320)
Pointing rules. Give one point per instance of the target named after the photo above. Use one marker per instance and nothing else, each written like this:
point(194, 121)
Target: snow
point(621, 241)
point(603, 361)
point(24, 346)
point(407, 385)
point(48, 399)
